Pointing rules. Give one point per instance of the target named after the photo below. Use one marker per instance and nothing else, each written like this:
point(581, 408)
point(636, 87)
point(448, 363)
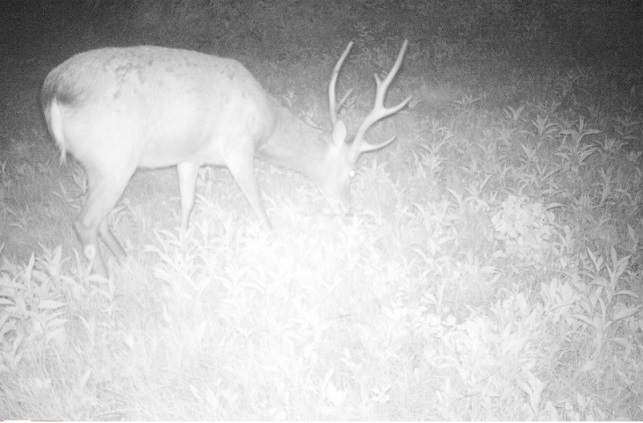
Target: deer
point(118, 109)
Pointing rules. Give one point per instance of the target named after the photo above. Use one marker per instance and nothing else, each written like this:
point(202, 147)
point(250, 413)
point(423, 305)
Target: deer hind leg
point(187, 188)
point(242, 169)
point(105, 189)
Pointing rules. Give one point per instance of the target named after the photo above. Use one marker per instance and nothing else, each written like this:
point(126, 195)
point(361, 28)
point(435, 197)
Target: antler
point(379, 110)
point(331, 87)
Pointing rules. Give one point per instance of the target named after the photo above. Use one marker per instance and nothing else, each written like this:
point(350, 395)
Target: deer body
point(119, 109)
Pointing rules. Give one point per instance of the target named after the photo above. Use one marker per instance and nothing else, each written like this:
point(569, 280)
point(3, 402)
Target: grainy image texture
point(337, 210)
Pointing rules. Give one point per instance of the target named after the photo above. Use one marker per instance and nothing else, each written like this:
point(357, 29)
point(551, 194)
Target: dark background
point(532, 34)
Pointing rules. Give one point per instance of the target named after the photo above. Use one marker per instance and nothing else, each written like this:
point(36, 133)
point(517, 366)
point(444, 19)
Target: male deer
point(119, 109)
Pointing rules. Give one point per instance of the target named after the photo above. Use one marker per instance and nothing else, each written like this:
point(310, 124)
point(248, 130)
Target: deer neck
point(294, 144)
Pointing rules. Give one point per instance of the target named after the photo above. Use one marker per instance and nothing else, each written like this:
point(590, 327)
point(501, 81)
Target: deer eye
point(351, 173)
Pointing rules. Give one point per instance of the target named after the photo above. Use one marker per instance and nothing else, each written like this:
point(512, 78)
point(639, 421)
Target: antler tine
point(331, 87)
point(342, 101)
point(379, 110)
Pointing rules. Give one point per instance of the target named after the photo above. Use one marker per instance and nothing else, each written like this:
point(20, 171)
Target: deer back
point(156, 107)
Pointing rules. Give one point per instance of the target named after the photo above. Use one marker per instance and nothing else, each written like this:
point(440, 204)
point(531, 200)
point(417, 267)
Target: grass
point(491, 269)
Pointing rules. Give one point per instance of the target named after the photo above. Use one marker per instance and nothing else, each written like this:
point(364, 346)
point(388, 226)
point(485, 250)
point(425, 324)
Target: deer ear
point(339, 133)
